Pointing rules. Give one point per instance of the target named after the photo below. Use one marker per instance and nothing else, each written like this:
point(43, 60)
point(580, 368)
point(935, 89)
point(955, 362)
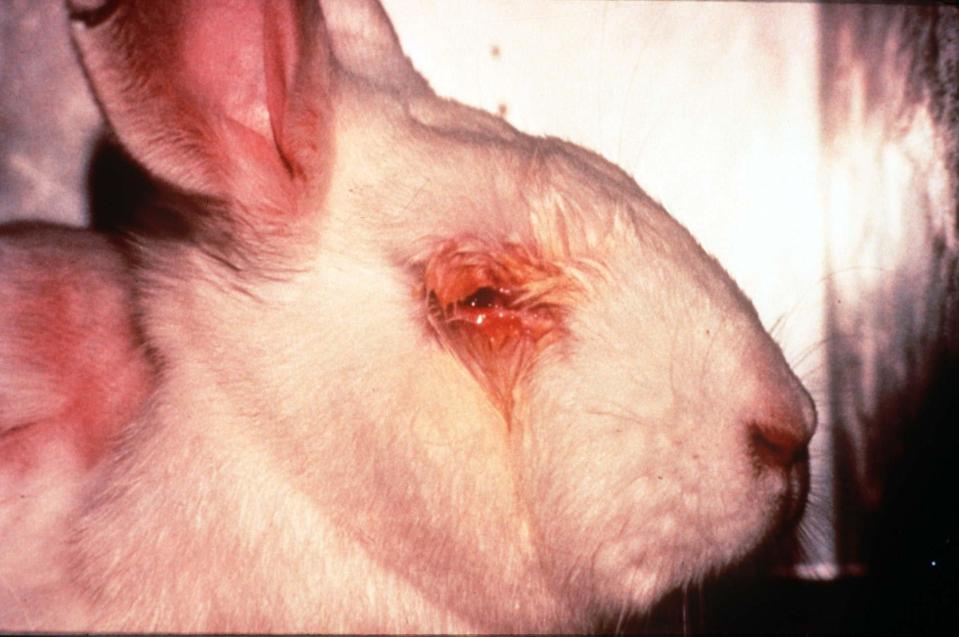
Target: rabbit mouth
point(796, 495)
point(791, 505)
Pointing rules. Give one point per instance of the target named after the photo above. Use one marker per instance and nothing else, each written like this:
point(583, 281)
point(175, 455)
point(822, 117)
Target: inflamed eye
point(488, 307)
point(489, 311)
point(479, 298)
point(496, 308)
point(486, 298)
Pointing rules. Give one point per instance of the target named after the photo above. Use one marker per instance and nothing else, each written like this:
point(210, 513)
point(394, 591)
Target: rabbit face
point(534, 366)
point(417, 370)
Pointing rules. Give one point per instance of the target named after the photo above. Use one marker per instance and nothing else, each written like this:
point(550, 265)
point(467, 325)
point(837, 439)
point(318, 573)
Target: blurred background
point(811, 148)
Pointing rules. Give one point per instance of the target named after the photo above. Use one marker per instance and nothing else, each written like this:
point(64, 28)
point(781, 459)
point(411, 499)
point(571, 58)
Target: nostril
point(777, 446)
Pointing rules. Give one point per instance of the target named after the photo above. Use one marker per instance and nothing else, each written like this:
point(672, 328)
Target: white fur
point(314, 458)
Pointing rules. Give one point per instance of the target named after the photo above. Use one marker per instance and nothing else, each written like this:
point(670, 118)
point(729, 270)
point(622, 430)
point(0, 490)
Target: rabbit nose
point(780, 438)
point(777, 445)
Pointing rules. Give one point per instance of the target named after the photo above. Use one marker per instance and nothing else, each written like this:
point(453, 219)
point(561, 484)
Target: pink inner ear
point(258, 72)
point(238, 57)
point(280, 53)
point(228, 98)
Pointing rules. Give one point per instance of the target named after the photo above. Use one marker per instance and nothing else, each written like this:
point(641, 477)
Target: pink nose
point(781, 422)
point(779, 445)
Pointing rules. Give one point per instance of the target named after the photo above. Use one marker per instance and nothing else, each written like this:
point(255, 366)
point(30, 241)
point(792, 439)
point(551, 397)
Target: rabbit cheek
point(494, 343)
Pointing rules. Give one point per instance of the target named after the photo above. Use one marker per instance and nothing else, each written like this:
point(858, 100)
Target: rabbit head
point(487, 363)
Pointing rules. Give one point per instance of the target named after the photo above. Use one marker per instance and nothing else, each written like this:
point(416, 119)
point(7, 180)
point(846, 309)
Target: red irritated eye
point(488, 310)
point(485, 298)
point(496, 309)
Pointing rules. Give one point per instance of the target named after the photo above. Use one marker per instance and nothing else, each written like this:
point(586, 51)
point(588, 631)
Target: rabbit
point(398, 367)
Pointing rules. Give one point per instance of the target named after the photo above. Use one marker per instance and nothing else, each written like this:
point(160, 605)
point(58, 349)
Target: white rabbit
point(403, 369)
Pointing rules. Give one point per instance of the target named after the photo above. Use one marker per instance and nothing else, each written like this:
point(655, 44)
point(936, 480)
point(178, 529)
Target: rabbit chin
point(668, 540)
point(669, 550)
point(650, 532)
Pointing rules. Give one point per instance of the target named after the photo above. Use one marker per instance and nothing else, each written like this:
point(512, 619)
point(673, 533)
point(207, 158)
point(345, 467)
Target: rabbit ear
point(496, 308)
point(365, 44)
point(72, 369)
point(226, 98)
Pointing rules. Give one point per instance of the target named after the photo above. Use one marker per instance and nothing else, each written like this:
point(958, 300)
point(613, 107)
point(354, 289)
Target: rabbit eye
point(485, 298)
point(495, 308)
point(488, 308)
